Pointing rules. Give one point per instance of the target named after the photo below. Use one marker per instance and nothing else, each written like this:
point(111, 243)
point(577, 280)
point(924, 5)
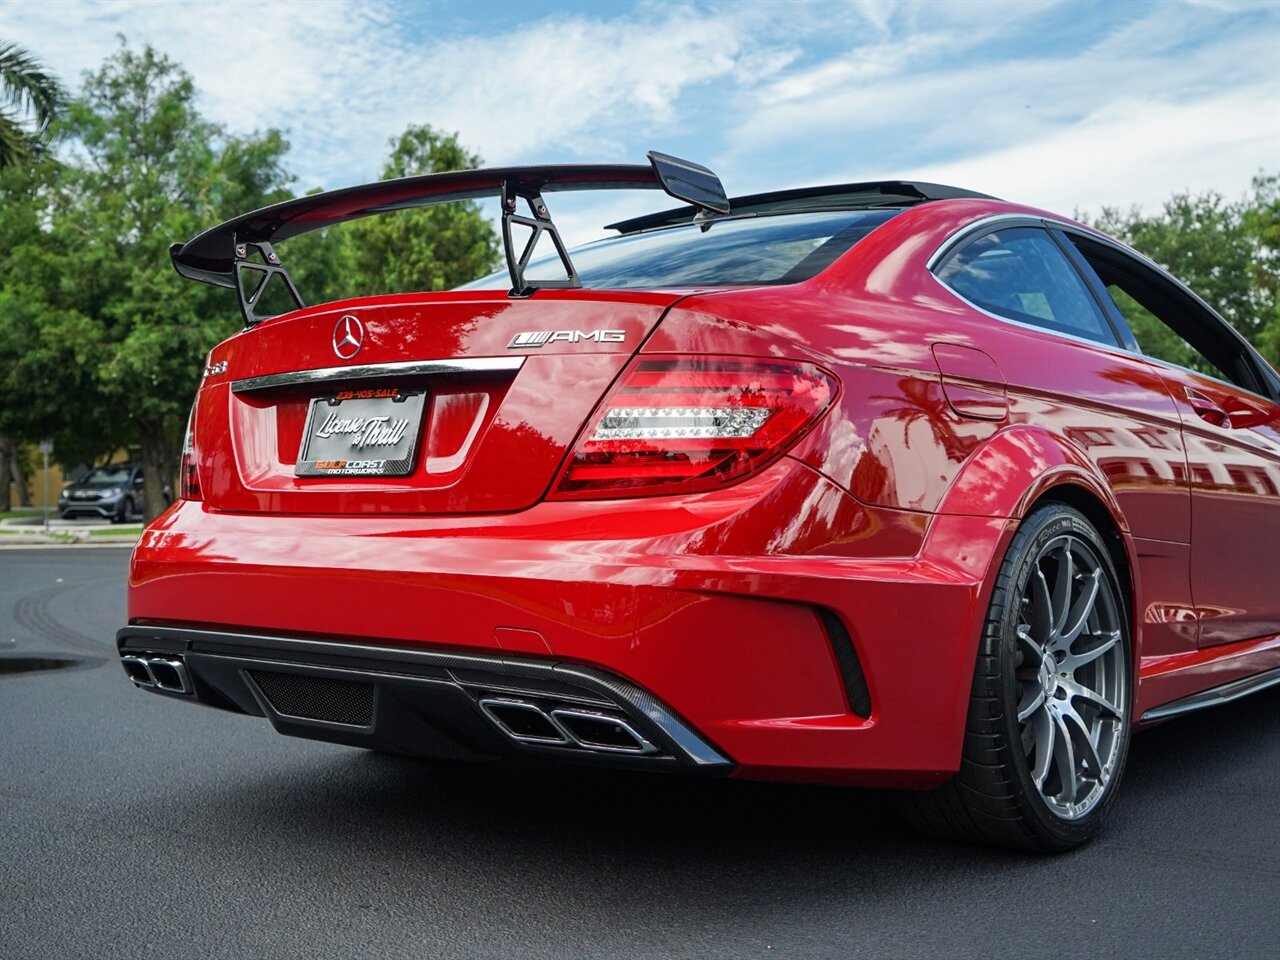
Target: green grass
point(22, 512)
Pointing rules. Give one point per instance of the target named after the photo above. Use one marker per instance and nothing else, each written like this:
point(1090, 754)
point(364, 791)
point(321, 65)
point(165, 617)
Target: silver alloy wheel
point(1070, 667)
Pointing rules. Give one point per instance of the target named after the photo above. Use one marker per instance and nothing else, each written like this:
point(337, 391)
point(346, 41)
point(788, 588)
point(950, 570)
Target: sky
point(1068, 106)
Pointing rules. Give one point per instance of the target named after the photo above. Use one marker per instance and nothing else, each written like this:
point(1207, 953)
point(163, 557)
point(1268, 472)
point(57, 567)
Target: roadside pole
point(46, 448)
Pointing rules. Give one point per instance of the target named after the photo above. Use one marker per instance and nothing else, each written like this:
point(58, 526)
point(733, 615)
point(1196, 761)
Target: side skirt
point(1215, 696)
point(1196, 676)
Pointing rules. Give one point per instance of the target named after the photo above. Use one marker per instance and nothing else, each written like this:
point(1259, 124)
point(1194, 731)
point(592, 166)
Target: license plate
point(362, 433)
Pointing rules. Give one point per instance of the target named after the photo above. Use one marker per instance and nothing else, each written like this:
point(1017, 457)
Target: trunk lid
point(482, 392)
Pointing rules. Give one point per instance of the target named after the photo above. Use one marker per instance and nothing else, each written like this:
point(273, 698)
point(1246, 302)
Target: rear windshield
point(755, 250)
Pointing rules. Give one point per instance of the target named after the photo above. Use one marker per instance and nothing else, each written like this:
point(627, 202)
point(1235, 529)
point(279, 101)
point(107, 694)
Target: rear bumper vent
point(317, 698)
point(855, 682)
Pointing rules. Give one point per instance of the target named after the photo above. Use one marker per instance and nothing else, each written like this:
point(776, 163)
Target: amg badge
point(540, 338)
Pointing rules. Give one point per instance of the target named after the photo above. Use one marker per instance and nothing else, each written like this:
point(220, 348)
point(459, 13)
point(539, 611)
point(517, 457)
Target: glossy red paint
point(1232, 468)
point(892, 512)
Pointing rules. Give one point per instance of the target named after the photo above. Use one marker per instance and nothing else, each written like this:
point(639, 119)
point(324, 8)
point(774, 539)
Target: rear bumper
point(428, 703)
point(749, 615)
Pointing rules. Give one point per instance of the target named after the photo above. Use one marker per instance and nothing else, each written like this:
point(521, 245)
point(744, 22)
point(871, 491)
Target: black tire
point(125, 512)
point(995, 797)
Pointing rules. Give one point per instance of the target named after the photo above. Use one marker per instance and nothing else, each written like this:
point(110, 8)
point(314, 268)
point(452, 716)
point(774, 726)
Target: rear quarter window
point(1021, 274)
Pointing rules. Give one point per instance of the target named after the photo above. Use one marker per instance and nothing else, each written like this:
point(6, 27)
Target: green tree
point(130, 332)
point(30, 99)
point(26, 90)
point(1262, 225)
point(435, 248)
point(1228, 252)
point(46, 345)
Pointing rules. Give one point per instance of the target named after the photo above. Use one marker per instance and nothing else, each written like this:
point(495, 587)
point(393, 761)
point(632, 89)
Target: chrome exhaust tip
point(523, 721)
point(170, 674)
point(598, 731)
point(138, 671)
point(152, 672)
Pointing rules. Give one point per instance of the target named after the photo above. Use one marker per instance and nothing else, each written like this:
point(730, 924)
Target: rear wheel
point(1048, 727)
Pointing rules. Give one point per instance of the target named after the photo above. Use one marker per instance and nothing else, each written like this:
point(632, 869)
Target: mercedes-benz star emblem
point(348, 337)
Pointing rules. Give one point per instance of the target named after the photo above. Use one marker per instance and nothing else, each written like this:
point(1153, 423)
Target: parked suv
point(113, 491)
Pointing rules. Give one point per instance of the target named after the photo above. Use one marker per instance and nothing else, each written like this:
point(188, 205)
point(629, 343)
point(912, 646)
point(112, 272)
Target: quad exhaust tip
point(528, 723)
point(158, 673)
point(523, 721)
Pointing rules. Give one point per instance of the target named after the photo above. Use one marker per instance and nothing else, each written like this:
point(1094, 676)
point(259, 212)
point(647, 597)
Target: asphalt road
point(133, 826)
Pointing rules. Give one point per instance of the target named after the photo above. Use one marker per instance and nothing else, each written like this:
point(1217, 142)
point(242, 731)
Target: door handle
point(1207, 410)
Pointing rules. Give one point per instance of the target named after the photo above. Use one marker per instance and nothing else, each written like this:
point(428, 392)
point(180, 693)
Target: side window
point(1167, 324)
point(1155, 337)
point(1022, 274)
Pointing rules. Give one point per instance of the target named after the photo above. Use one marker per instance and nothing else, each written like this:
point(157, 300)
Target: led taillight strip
point(681, 425)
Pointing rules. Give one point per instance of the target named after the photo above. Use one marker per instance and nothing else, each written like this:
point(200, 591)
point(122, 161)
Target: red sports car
point(884, 484)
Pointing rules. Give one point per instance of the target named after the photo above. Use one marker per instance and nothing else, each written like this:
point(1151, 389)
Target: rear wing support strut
point(254, 276)
point(538, 223)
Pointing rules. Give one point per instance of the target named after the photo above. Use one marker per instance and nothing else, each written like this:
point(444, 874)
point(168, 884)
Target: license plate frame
point(382, 424)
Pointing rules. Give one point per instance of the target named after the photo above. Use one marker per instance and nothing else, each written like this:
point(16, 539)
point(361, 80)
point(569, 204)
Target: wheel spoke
point(1062, 588)
point(1081, 609)
point(1037, 651)
point(1084, 741)
point(1041, 606)
point(1075, 661)
point(1064, 759)
point(1105, 707)
point(1044, 740)
point(1032, 700)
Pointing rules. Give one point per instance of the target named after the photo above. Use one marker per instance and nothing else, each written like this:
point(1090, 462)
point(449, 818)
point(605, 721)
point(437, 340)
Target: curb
point(26, 541)
point(15, 547)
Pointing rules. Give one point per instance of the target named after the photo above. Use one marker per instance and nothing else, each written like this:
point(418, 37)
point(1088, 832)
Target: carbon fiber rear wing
point(240, 254)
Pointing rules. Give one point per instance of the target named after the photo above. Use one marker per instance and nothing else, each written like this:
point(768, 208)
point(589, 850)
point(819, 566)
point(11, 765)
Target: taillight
point(190, 480)
point(683, 425)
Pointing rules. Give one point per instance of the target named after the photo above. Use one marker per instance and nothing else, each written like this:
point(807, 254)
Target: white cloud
point(342, 77)
point(580, 84)
point(1035, 101)
point(1164, 102)
point(1129, 152)
point(295, 65)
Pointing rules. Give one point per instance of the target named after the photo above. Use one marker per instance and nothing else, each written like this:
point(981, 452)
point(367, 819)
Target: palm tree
point(29, 100)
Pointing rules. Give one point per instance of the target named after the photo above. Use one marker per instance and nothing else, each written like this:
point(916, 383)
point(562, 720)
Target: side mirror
point(138, 483)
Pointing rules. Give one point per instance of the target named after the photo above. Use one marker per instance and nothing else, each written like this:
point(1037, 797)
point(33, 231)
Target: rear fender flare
point(1016, 467)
